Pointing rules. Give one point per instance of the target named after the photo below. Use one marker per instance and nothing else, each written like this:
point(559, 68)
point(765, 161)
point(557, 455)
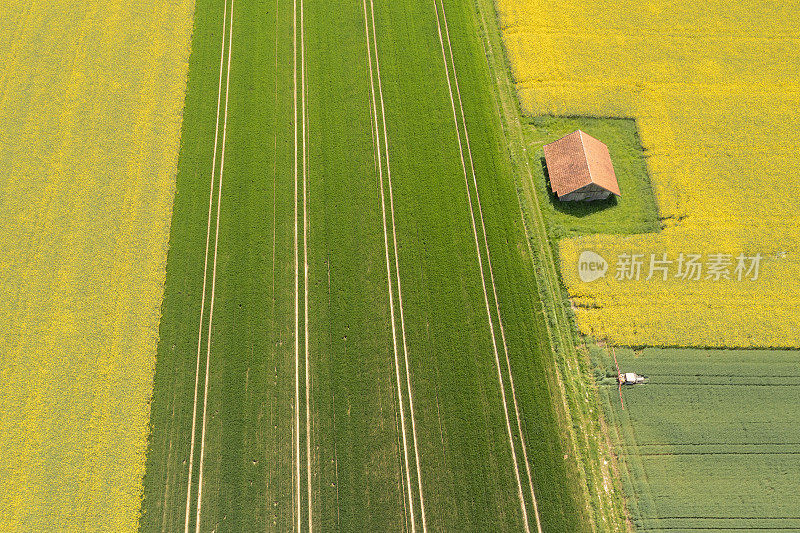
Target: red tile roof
point(577, 160)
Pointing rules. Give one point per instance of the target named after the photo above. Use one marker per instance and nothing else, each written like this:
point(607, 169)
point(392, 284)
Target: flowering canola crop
point(91, 95)
point(714, 90)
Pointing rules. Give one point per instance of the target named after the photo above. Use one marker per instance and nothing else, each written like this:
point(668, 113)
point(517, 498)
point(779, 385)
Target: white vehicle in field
point(630, 378)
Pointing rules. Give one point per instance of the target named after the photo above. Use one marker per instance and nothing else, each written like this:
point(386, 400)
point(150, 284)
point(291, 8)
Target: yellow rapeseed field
point(714, 88)
point(91, 95)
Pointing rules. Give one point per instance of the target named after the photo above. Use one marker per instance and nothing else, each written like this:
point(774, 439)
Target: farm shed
point(580, 168)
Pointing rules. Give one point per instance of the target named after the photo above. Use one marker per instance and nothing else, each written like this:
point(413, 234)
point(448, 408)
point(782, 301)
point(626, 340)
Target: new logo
point(591, 266)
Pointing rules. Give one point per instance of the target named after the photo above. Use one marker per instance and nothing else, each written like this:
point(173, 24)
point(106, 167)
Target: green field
point(363, 471)
point(711, 441)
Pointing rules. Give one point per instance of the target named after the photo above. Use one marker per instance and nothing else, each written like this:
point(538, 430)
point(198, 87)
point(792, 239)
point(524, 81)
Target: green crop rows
point(357, 466)
point(711, 441)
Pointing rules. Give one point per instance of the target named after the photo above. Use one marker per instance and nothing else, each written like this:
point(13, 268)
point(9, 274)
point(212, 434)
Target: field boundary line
point(397, 273)
point(388, 272)
point(523, 506)
point(214, 276)
point(205, 274)
point(491, 277)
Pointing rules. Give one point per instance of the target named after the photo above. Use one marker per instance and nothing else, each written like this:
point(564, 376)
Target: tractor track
point(523, 506)
point(374, 73)
point(205, 278)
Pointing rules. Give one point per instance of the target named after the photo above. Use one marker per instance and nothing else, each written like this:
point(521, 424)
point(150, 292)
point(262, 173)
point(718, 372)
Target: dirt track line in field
point(389, 277)
point(305, 263)
point(397, 273)
point(214, 277)
point(296, 421)
point(205, 273)
point(483, 278)
point(491, 277)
